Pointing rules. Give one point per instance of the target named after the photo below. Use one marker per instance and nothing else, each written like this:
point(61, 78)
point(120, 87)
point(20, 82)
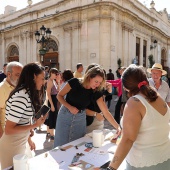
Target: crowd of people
point(79, 103)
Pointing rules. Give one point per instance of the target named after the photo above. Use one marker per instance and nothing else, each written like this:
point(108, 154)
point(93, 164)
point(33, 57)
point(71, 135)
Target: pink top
point(117, 83)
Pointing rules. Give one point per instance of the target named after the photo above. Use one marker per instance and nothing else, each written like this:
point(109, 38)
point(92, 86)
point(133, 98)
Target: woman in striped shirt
point(22, 104)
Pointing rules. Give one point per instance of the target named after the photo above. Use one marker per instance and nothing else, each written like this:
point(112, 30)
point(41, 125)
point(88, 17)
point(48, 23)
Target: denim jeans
point(69, 126)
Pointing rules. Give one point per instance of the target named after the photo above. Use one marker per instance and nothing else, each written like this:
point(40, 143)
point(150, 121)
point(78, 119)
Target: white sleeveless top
point(152, 145)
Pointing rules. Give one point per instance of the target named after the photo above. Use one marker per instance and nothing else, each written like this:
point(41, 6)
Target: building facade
point(87, 31)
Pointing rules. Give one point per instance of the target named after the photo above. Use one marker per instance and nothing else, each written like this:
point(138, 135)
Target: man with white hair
point(157, 83)
point(13, 72)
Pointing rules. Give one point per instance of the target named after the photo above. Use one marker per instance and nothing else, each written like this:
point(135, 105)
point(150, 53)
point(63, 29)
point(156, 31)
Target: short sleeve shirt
point(77, 74)
point(93, 105)
point(19, 108)
point(5, 90)
point(79, 96)
point(163, 90)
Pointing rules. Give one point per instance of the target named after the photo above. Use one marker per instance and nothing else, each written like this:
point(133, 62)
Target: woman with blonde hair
point(71, 122)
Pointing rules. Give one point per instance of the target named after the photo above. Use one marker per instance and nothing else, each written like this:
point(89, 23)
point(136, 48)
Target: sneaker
point(48, 135)
point(52, 138)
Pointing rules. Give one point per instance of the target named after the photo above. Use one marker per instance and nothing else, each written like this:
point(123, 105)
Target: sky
point(159, 4)
point(20, 4)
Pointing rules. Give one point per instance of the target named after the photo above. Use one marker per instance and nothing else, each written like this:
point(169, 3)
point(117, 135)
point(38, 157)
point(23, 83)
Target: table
point(57, 159)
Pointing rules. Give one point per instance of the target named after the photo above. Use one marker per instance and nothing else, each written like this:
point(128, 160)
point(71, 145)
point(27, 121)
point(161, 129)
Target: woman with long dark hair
point(23, 103)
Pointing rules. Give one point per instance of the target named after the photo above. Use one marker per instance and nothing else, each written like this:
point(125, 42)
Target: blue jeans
point(69, 127)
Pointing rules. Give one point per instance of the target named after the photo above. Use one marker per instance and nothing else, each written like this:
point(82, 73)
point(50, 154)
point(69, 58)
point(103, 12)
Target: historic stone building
point(86, 31)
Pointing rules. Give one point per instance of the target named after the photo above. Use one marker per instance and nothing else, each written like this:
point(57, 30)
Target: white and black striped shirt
point(19, 108)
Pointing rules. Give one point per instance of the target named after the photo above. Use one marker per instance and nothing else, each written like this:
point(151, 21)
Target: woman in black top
point(71, 122)
point(95, 116)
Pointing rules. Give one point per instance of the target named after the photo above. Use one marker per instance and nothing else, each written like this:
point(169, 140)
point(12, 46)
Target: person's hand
point(109, 87)
point(31, 133)
point(41, 120)
point(99, 117)
point(73, 110)
point(52, 108)
point(119, 131)
point(31, 144)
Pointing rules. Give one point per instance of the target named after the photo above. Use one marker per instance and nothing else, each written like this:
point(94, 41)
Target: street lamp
point(153, 45)
point(42, 36)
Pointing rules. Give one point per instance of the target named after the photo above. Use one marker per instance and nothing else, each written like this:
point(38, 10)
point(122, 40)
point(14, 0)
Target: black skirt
point(52, 118)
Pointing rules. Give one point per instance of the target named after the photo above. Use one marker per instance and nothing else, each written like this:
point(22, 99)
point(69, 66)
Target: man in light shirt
point(157, 83)
point(78, 72)
point(13, 72)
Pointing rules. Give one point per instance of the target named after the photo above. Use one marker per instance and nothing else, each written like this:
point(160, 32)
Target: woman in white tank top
point(145, 139)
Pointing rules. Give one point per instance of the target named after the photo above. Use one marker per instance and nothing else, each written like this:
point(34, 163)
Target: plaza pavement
point(43, 144)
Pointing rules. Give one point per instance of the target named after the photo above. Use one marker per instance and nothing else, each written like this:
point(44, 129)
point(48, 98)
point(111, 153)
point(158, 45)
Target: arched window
point(51, 45)
point(14, 51)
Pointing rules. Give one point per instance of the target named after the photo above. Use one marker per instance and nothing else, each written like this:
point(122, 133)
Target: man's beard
point(14, 82)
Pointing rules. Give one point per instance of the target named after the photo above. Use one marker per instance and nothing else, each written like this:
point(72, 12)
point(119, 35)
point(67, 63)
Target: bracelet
point(110, 168)
point(101, 113)
point(95, 114)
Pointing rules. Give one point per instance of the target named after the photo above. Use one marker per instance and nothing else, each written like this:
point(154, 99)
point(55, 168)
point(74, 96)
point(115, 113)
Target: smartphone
point(105, 165)
point(44, 109)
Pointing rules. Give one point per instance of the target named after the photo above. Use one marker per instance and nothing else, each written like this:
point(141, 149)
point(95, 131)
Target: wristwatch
point(95, 114)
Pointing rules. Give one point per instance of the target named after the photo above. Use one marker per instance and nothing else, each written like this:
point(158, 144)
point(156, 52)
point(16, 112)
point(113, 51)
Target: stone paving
point(44, 144)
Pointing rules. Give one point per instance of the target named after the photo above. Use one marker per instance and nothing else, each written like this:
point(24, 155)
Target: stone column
point(158, 52)
point(113, 50)
point(147, 53)
point(76, 58)
point(132, 46)
point(68, 48)
point(93, 42)
point(23, 55)
point(126, 44)
point(3, 56)
point(141, 51)
point(105, 45)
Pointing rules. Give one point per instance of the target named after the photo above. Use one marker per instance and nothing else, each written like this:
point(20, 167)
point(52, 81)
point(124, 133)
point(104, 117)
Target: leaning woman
point(22, 104)
point(71, 122)
point(145, 141)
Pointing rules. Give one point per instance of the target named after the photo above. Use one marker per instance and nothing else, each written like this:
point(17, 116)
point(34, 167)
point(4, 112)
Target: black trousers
point(117, 109)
